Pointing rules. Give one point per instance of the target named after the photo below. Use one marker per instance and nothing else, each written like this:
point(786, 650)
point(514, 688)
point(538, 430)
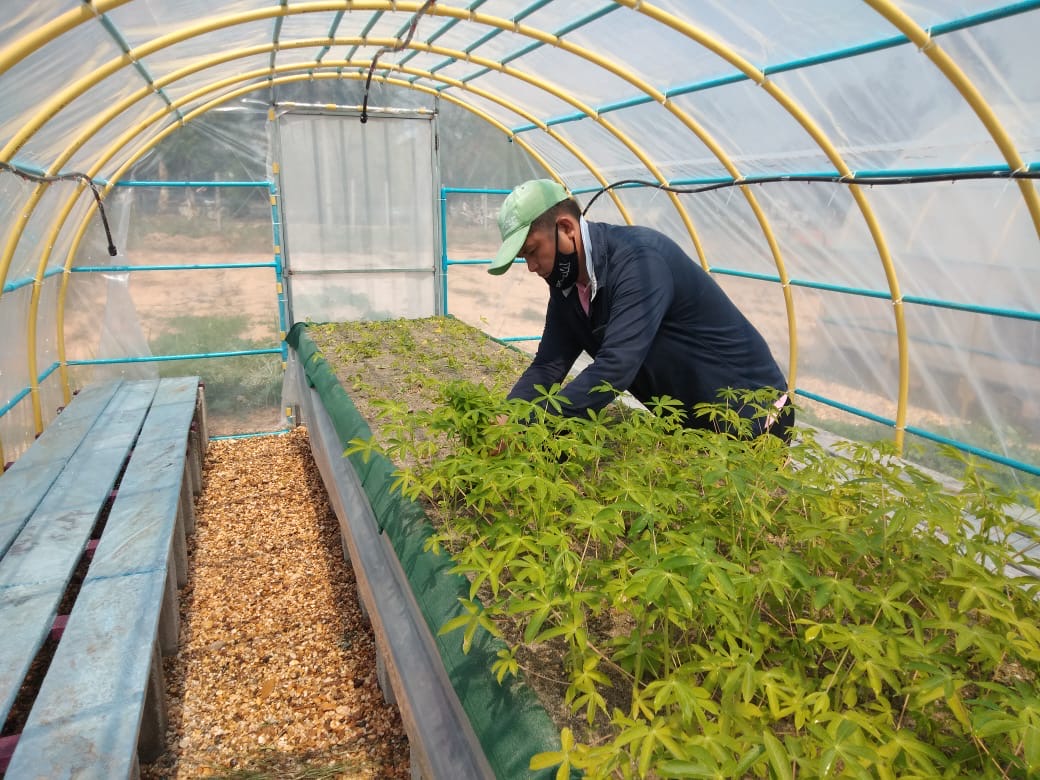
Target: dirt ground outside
point(511, 306)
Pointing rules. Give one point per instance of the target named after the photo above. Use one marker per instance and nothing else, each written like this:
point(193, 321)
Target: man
point(653, 321)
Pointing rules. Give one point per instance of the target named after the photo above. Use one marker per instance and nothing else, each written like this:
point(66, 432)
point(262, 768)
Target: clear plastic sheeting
point(359, 204)
point(903, 305)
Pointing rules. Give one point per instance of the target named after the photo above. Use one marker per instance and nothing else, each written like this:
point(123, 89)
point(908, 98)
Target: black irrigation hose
point(386, 49)
point(821, 178)
point(112, 251)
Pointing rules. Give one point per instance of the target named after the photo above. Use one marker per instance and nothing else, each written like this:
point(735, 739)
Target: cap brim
point(508, 251)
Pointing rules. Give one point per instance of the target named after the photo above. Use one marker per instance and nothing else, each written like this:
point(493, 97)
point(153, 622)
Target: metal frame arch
point(190, 31)
point(953, 73)
point(129, 135)
point(536, 34)
point(79, 87)
point(112, 112)
point(217, 23)
point(279, 12)
point(87, 82)
point(482, 19)
point(827, 146)
point(260, 73)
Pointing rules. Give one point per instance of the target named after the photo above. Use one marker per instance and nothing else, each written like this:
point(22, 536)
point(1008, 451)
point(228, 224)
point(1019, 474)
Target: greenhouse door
point(358, 203)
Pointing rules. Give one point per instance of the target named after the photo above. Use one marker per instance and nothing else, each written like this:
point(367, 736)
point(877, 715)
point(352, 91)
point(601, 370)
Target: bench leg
point(179, 561)
point(169, 616)
point(151, 742)
point(200, 420)
point(189, 476)
point(187, 507)
point(195, 464)
point(197, 442)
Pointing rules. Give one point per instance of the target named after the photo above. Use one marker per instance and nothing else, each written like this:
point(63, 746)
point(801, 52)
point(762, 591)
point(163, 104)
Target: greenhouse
point(255, 376)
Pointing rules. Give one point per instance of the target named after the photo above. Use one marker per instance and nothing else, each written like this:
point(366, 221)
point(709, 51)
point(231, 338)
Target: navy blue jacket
point(658, 325)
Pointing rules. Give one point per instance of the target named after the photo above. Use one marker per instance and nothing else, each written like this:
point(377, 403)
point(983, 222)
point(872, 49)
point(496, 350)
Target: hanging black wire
point(823, 179)
point(39, 179)
point(387, 49)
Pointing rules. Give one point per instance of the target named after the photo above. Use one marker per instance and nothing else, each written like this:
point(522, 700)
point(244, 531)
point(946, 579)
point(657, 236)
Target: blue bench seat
point(100, 707)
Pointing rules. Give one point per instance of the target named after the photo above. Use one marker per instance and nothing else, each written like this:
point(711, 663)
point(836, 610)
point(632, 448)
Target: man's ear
point(568, 225)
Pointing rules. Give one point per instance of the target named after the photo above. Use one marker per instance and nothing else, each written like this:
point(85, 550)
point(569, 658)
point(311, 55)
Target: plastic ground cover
point(508, 719)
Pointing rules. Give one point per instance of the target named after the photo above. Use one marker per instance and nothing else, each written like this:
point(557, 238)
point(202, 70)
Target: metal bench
point(107, 487)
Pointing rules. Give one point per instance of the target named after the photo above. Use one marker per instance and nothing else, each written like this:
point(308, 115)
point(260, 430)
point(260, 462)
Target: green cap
point(522, 207)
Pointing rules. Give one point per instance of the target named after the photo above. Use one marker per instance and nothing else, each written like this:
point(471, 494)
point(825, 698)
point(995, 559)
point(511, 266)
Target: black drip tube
point(112, 251)
point(397, 47)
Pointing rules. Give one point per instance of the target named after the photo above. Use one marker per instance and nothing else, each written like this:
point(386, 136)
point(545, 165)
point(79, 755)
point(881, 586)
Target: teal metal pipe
point(848, 52)
point(167, 267)
point(170, 358)
point(137, 183)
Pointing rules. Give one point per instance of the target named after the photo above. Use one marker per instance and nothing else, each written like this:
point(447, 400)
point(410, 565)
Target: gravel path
point(275, 677)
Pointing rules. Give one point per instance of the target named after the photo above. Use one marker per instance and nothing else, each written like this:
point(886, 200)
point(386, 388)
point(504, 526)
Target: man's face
point(541, 247)
point(539, 251)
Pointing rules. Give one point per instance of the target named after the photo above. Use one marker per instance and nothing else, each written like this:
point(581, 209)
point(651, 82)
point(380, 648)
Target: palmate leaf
point(692, 701)
point(473, 619)
point(561, 757)
point(778, 758)
point(702, 762)
point(550, 399)
point(506, 664)
point(584, 690)
point(541, 605)
point(642, 739)
point(366, 447)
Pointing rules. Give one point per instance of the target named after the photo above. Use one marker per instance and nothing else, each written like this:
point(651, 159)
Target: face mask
point(565, 268)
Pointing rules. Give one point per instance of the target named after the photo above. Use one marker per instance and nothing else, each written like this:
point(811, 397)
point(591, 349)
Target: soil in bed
point(406, 361)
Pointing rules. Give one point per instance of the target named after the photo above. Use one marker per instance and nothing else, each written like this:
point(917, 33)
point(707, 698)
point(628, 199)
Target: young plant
point(717, 607)
point(786, 611)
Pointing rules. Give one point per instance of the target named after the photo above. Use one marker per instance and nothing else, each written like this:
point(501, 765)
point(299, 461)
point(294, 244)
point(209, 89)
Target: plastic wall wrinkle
point(877, 127)
point(45, 343)
point(954, 250)
point(176, 104)
point(979, 104)
point(770, 31)
point(10, 247)
point(79, 233)
point(868, 110)
point(967, 370)
point(995, 58)
point(18, 259)
point(44, 248)
point(16, 426)
point(138, 104)
point(223, 22)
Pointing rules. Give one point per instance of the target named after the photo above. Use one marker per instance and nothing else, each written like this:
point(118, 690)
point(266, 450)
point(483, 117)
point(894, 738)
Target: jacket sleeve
point(556, 354)
point(641, 293)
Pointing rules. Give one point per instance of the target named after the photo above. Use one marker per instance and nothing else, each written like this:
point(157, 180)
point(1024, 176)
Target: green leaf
point(778, 758)
point(552, 758)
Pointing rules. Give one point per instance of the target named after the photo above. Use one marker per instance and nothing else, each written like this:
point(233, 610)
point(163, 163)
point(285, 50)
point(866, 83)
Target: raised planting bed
point(460, 721)
point(686, 604)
